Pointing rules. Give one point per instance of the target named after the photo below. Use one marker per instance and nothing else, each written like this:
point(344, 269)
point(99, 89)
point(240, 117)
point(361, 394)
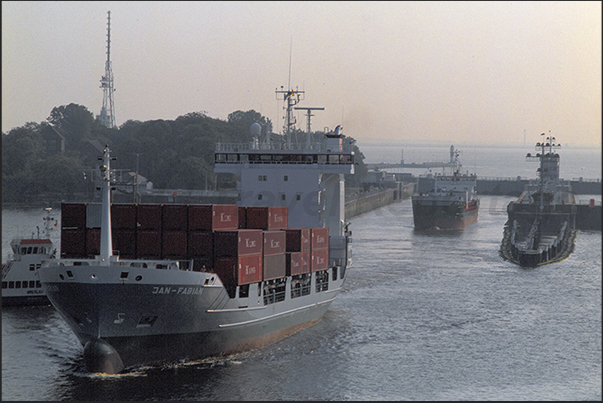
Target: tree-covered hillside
point(47, 162)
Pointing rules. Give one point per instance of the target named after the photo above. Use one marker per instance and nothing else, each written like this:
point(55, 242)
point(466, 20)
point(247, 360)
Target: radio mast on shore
point(107, 114)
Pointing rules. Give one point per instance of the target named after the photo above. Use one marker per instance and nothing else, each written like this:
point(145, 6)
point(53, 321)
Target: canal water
point(422, 316)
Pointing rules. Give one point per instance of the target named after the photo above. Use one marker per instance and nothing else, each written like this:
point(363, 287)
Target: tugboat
point(541, 225)
point(221, 282)
point(451, 204)
point(20, 282)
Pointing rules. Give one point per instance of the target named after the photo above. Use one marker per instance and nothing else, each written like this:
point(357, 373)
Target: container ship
point(541, 224)
point(451, 204)
point(20, 283)
point(146, 284)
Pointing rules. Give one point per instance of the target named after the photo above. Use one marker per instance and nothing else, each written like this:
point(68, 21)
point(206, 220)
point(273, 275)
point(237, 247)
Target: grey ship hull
point(171, 315)
point(536, 237)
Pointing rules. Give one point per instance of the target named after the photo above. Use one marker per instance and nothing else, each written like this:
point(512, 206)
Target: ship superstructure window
point(283, 197)
point(286, 178)
point(262, 178)
point(259, 197)
point(298, 197)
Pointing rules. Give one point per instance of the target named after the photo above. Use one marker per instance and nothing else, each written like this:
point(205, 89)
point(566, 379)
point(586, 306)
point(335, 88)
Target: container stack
point(298, 254)
point(203, 220)
point(242, 245)
point(275, 265)
point(320, 249)
point(238, 256)
point(73, 230)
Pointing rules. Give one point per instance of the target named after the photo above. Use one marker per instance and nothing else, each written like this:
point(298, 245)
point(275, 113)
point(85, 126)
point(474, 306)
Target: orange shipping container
point(320, 238)
point(174, 216)
point(239, 270)
point(297, 263)
point(93, 241)
point(148, 244)
point(73, 242)
point(200, 243)
point(73, 215)
point(213, 216)
point(274, 242)
point(124, 242)
point(174, 244)
point(123, 216)
point(275, 266)
point(267, 218)
point(148, 216)
point(242, 217)
point(320, 259)
point(238, 242)
point(298, 239)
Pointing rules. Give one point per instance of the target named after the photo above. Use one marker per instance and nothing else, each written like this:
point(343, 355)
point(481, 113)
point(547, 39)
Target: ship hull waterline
point(124, 325)
point(426, 217)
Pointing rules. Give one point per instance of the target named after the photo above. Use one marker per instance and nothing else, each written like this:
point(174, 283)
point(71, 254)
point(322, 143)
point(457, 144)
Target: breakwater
point(513, 186)
point(374, 200)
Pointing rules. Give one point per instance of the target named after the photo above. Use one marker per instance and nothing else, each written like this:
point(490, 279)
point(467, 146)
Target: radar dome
point(256, 129)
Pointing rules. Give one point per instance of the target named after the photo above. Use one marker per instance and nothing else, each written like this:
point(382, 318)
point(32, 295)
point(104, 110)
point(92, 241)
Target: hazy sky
point(455, 72)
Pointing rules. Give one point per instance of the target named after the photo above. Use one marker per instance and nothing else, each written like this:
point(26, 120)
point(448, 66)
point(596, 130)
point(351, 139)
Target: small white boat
point(20, 282)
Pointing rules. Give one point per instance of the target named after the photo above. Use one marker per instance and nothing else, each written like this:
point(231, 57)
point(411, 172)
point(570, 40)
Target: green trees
point(173, 154)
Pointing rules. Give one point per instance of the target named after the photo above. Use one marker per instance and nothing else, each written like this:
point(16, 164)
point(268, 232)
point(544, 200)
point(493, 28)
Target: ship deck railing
point(295, 147)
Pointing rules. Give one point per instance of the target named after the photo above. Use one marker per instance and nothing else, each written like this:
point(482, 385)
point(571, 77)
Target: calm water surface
point(423, 316)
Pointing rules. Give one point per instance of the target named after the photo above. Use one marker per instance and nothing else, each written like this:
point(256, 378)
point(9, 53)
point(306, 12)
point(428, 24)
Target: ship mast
point(107, 114)
point(309, 109)
point(106, 246)
point(292, 98)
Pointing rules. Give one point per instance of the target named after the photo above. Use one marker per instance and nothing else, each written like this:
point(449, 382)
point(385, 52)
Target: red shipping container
point(123, 216)
point(73, 242)
point(174, 217)
point(320, 238)
point(124, 242)
point(298, 239)
point(298, 263)
point(267, 218)
point(213, 216)
point(93, 241)
point(149, 216)
point(320, 259)
point(274, 242)
point(238, 242)
point(275, 266)
point(73, 215)
point(242, 217)
point(148, 244)
point(174, 244)
point(200, 243)
point(239, 270)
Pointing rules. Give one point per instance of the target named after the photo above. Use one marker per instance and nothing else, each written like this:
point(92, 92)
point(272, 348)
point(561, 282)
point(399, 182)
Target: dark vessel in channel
point(541, 224)
point(451, 204)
